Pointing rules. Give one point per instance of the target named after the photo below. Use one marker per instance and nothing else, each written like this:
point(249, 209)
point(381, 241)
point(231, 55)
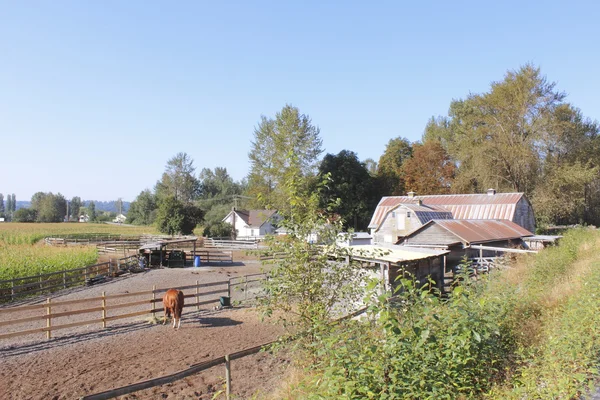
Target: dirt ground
point(87, 360)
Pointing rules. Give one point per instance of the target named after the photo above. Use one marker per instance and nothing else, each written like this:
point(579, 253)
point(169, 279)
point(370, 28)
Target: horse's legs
point(179, 321)
point(167, 314)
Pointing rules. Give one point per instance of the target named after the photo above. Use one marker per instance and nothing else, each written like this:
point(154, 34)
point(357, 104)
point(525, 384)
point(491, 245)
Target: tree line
point(50, 207)
point(519, 136)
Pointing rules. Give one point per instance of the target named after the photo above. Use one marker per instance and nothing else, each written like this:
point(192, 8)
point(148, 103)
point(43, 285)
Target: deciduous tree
point(429, 170)
point(351, 183)
point(288, 145)
point(389, 172)
point(178, 180)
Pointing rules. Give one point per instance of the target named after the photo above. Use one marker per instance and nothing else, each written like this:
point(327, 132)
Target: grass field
point(21, 253)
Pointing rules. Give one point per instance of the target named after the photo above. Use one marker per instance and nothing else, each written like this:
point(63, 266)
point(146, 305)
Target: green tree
point(75, 207)
point(49, 207)
point(91, 207)
point(174, 217)
point(389, 172)
point(371, 166)
point(142, 211)
point(8, 206)
point(1, 205)
point(25, 215)
point(287, 145)
point(13, 203)
point(351, 183)
point(178, 180)
point(495, 136)
point(309, 282)
point(429, 170)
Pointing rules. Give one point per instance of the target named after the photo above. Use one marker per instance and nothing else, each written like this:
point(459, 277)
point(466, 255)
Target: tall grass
point(528, 332)
point(21, 254)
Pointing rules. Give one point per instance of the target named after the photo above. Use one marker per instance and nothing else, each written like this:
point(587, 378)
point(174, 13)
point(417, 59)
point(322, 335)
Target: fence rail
point(102, 307)
point(231, 244)
point(195, 368)
point(11, 289)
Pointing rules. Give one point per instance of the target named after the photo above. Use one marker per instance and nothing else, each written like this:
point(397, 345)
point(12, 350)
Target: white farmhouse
point(252, 223)
point(120, 219)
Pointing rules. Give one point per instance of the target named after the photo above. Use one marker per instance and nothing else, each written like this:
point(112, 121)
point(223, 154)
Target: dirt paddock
point(87, 360)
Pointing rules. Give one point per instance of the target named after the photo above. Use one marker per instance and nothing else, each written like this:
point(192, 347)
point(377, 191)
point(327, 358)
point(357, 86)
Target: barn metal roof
point(476, 231)
point(462, 206)
point(393, 254)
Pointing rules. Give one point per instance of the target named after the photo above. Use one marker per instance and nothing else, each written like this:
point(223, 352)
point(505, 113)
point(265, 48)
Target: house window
point(393, 214)
point(408, 214)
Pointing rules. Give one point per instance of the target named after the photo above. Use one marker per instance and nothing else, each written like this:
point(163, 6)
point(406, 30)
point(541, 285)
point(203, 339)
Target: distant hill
point(110, 206)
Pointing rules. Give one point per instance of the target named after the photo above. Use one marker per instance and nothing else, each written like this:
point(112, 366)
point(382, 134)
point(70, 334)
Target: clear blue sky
point(96, 96)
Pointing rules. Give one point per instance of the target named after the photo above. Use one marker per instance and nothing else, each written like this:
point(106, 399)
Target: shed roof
point(462, 206)
point(475, 231)
point(393, 254)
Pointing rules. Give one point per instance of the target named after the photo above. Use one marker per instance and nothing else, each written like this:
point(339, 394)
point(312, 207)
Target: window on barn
point(408, 214)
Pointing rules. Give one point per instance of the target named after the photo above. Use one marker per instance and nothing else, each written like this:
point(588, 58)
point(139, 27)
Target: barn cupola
point(411, 194)
point(491, 192)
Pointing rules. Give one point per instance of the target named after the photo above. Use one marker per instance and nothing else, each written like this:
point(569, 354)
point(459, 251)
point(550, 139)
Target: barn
point(465, 237)
point(397, 216)
point(252, 224)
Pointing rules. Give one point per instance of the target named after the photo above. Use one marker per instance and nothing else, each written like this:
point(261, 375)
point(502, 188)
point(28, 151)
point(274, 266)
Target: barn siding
point(433, 234)
point(388, 231)
point(524, 215)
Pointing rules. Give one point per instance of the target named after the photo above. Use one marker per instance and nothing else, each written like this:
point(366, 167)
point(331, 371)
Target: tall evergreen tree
point(1, 204)
point(75, 207)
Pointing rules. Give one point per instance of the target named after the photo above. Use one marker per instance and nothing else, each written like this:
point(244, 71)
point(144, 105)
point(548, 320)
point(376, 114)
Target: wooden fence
point(211, 256)
point(11, 289)
point(231, 244)
point(102, 308)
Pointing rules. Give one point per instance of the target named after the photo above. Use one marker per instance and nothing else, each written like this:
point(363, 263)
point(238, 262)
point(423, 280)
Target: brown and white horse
point(173, 302)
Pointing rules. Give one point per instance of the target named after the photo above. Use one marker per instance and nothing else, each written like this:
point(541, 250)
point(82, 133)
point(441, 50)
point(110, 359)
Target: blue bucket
point(197, 261)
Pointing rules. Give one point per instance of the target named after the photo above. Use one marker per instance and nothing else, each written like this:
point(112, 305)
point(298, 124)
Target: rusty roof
point(462, 206)
point(477, 231)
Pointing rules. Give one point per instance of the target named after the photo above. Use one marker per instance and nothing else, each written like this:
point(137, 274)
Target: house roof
point(462, 206)
point(476, 231)
point(254, 218)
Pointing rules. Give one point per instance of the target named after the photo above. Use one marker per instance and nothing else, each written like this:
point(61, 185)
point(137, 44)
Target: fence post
point(41, 285)
point(12, 290)
point(197, 296)
point(228, 377)
point(86, 273)
point(104, 309)
point(153, 299)
point(48, 319)
point(245, 287)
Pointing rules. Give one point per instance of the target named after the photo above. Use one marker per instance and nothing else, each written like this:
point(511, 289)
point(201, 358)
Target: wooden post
point(48, 319)
point(245, 287)
point(41, 286)
point(86, 273)
point(12, 290)
point(197, 296)
point(228, 377)
point(153, 300)
point(104, 309)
